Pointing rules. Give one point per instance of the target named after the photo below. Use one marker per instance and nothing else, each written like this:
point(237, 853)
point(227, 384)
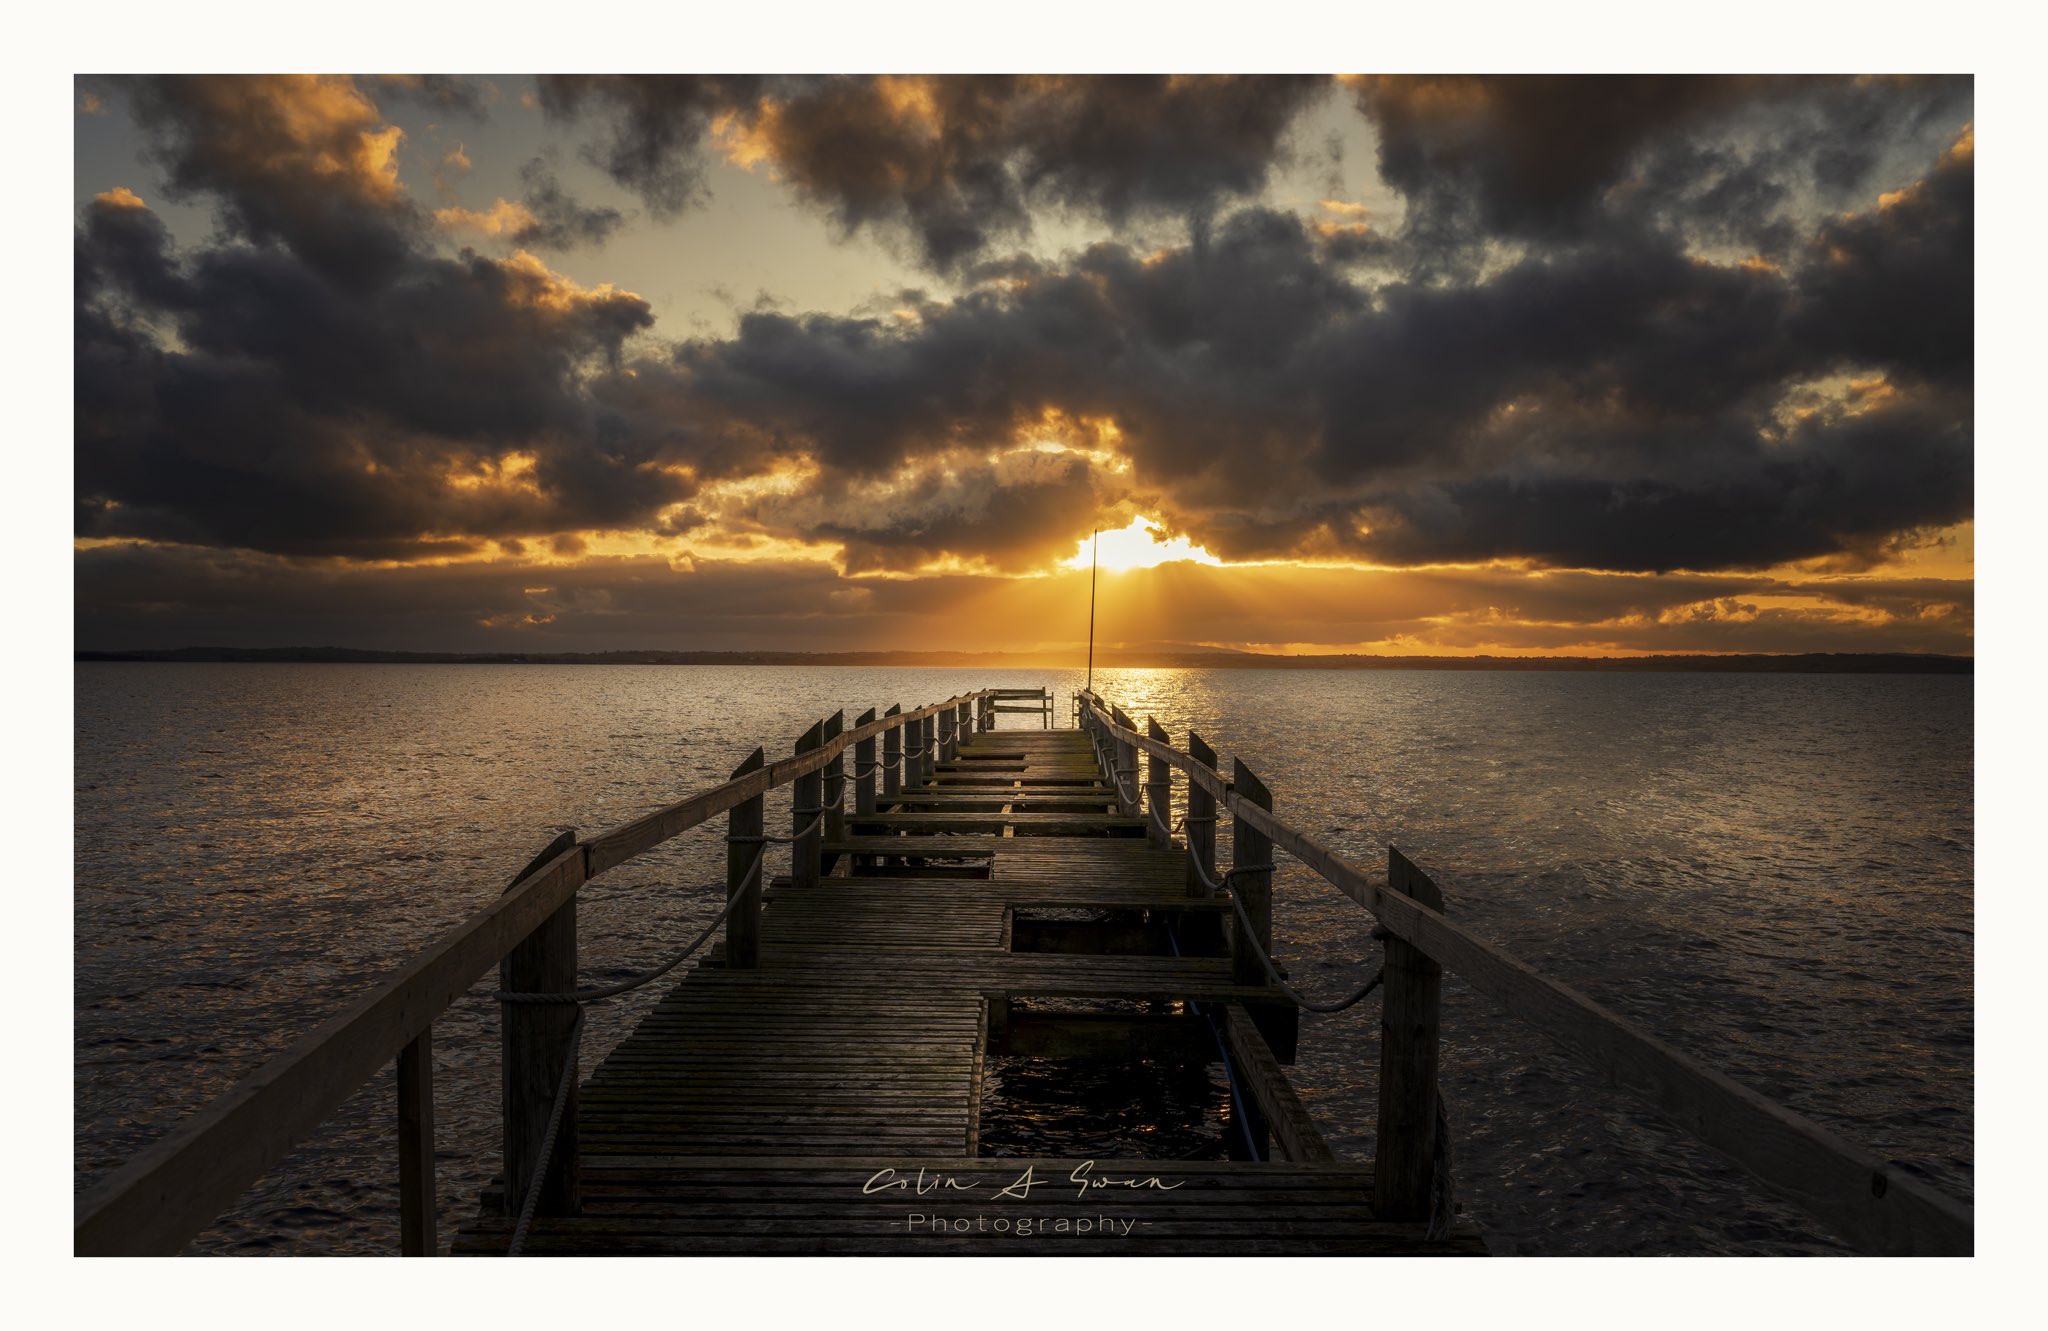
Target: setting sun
point(1137, 546)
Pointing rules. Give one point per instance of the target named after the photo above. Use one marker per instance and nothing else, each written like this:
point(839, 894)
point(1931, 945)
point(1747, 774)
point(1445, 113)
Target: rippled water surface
point(1773, 872)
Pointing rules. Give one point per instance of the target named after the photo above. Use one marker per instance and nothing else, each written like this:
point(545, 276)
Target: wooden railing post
point(835, 792)
point(1125, 771)
point(917, 758)
point(1279, 1021)
point(417, 1212)
point(744, 826)
point(1158, 788)
point(892, 757)
point(535, 1055)
point(864, 766)
point(945, 720)
point(1248, 845)
point(963, 725)
point(1404, 1154)
point(806, 802)
point(1201, 820)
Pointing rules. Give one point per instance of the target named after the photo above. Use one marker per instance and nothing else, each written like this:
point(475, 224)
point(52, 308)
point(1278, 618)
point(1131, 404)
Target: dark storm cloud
point(1725, 158)
point(1190, 350)
point(952, 164)
point(1830, 486)
point(1017, 515)
point(1526, 152)
point(299, 415)
point(560, 221)
point(1892, 285)
point(655, 126)
point(304, 161)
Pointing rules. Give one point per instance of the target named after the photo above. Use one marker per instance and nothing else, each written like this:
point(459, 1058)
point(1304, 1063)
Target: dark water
point(1773, 872)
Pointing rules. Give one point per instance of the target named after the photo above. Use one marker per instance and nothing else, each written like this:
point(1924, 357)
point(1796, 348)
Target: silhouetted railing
point(1862, 1198)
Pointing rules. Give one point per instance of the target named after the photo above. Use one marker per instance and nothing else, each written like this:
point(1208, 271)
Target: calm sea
point(1772, 872)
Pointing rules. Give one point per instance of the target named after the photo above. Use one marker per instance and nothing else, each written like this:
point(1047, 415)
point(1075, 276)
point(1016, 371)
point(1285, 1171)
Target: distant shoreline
point(1808, 663)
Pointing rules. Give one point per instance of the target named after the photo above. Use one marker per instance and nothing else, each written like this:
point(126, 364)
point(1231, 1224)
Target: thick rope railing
point(1251, 938)
point(626, 986)
point(1117, 774)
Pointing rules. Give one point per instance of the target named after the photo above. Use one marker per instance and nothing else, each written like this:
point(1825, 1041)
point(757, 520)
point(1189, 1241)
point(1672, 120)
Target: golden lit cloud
point(543, 288)
point(503, 218)
point(120, 197)
point(747, 142)
point(512, 472)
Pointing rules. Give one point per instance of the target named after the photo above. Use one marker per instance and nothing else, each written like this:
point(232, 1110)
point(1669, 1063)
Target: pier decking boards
point(828, 1098)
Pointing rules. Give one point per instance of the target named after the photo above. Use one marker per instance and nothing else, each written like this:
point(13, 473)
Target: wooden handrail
point(610, 849)
point(1861, 1197)
point(177, 1185)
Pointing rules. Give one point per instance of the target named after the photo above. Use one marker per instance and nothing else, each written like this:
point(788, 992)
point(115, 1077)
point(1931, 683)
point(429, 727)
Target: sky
point(1409, 365)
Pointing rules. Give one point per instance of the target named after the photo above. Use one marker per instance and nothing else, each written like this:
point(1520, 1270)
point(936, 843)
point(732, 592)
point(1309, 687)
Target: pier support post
point(535, 1055)
point(1124, 774)
point(1278, 1021)
point(744, 826)
point(946, 750)
point(835, 791)
point(1201, 820)
point(892, 757)
point(1158, 789)
point(963, 725)
point(417, 1211)
point(806, 803)
point(864, 766)
point(917, 759)
point(1248, 845)
point(1404, 1153)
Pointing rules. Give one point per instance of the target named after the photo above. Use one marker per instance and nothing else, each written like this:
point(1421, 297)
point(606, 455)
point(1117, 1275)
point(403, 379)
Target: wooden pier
point(813, 1081)
point(753, 1110)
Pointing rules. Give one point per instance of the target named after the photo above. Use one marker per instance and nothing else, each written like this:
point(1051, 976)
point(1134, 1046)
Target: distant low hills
point(1167, 657)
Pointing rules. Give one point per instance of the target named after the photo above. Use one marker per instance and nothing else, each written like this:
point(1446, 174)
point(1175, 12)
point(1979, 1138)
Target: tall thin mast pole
point(1094, 544)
